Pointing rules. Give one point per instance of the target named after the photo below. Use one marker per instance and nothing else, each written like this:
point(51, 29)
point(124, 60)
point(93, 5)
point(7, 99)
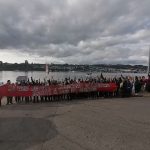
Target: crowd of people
point(126, 87)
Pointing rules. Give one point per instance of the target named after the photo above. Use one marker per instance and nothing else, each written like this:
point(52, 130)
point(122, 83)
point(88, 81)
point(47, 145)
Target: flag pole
point(46, 71)
point(148, 71)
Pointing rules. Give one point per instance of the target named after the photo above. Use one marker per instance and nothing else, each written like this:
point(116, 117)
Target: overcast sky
point(75, 31)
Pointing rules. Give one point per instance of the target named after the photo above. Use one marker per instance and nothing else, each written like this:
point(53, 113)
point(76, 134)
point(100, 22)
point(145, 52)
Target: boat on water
point(22, 79)
point(89, 74)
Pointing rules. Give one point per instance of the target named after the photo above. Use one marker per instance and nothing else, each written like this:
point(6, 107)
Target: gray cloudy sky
point(75, 31)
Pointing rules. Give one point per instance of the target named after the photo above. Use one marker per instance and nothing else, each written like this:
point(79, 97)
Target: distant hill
point(72, 67)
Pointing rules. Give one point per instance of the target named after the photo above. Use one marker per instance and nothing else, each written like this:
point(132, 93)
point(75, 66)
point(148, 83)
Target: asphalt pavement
point(101, 124)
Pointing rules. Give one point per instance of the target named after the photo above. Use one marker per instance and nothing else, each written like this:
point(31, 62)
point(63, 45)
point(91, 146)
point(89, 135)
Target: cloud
point(73, 31)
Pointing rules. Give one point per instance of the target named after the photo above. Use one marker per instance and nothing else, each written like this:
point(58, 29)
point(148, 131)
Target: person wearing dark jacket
point(148, 84)
point(137, 85)
point(9, 98)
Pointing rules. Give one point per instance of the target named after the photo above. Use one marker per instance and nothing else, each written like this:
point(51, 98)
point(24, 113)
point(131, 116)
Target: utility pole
point(148, 71)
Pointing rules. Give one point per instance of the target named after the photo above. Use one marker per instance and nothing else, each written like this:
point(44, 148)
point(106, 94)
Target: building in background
point(1, 65)
point(26, 65)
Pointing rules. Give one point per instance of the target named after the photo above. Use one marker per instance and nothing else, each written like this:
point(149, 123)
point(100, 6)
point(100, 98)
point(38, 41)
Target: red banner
point(107, 87)
point(39, 90)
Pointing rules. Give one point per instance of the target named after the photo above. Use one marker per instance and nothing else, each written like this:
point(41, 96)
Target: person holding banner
point(9, 98)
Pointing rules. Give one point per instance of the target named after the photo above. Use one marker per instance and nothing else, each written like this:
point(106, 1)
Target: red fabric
point(16, 90)
point(107, 87)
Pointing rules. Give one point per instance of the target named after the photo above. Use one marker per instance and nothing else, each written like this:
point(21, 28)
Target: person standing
point(148, 84)
point(137, 85)
point(9, 98)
